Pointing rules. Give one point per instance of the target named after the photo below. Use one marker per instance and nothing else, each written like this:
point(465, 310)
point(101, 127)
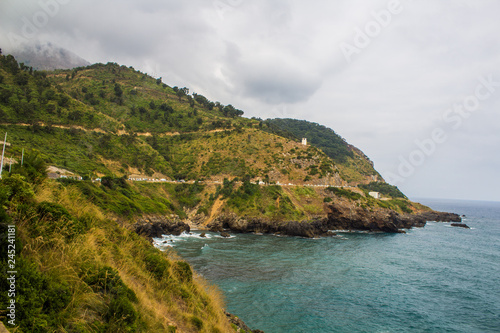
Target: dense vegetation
point(384, 188)
point(346, 157)
point(317, 135)
point(79, 271)
point(80, 267)
point(107, 119)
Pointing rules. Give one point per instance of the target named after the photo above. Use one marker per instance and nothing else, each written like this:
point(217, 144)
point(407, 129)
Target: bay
point(433, 279)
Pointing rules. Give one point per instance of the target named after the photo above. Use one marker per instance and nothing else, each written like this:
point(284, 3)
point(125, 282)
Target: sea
point(433, 279)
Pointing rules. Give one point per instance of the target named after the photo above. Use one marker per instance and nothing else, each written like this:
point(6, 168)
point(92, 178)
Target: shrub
point(197, 322)
point(55, 219)
point(183, 271)
point(341, 192)
point(384, 188)
point(15, 189)
point(41, 299)
point(156, 264)
point(106, 280)
point(121, 314)
point(33, 169)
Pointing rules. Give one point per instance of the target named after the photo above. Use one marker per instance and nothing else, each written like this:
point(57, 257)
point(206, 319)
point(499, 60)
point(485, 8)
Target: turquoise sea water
point(433, 279)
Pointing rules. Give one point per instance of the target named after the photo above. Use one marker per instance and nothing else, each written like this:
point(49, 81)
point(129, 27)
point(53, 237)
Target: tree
point(231, 111)
point(33, 169)
point(21, 79)
point(190, 100)
point(118, 90)
point(182, 92)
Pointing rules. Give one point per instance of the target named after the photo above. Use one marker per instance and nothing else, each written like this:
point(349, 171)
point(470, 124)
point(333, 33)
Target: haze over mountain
point(47, 56)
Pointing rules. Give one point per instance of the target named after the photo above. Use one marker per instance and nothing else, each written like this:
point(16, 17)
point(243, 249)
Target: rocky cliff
point(340, 217)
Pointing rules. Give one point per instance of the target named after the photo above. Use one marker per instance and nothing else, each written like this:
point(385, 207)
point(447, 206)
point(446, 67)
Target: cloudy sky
point(414, 84)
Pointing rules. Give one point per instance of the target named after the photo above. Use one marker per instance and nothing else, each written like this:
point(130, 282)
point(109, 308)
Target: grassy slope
point(81, 271)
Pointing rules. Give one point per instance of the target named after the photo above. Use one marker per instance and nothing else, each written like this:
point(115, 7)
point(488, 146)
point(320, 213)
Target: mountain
point(129, 155)
point(47, 56)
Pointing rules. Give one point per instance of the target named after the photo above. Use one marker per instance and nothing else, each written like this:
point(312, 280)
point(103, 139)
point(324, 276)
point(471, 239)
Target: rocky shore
point(339, 217)
point(155, 226)
point(358, 218)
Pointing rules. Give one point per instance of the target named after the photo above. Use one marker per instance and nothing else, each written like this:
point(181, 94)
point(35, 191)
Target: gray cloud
point(279, 57)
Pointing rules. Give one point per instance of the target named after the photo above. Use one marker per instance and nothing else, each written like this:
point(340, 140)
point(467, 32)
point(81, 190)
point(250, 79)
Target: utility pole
point(3, 152)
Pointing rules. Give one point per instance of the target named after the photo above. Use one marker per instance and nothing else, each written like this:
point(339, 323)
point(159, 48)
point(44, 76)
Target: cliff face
point(340, 217)
point(385, 220)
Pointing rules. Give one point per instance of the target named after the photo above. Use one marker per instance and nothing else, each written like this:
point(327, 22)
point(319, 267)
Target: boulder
point(460, 225)
point(156, 226)
point(242, 327)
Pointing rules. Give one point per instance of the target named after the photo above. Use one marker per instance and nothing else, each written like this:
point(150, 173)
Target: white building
point(304, 141)
point(376, 195)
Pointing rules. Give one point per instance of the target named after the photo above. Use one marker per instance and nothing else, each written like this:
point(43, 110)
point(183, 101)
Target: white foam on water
point(170, 240)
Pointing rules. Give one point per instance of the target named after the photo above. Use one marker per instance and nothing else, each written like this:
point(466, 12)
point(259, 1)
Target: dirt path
point(120, 132)
point(215, 210)
point(59, 126)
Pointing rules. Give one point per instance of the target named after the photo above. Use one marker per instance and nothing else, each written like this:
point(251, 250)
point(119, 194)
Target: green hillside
point(119, 146)
point(113, 120)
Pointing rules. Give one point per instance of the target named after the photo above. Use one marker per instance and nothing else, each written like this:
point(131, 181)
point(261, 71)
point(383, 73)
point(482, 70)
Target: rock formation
point(156, 226)
point(340, 217)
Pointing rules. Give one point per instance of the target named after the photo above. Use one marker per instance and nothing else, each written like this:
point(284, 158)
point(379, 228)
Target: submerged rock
point(460, 225)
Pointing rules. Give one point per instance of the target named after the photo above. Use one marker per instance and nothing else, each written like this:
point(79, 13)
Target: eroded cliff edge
point(339, 218)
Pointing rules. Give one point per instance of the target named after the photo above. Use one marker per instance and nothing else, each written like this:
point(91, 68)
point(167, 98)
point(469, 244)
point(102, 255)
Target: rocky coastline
point(155, 226)
point(339, 217)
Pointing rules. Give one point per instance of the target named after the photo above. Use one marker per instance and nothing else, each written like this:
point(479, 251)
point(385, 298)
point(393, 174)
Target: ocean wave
point(169, 240)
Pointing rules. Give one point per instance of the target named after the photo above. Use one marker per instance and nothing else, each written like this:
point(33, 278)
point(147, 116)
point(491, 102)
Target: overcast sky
point(414, 84)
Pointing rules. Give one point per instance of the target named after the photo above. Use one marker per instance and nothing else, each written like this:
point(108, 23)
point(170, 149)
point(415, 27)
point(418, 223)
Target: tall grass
point(104, 277)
